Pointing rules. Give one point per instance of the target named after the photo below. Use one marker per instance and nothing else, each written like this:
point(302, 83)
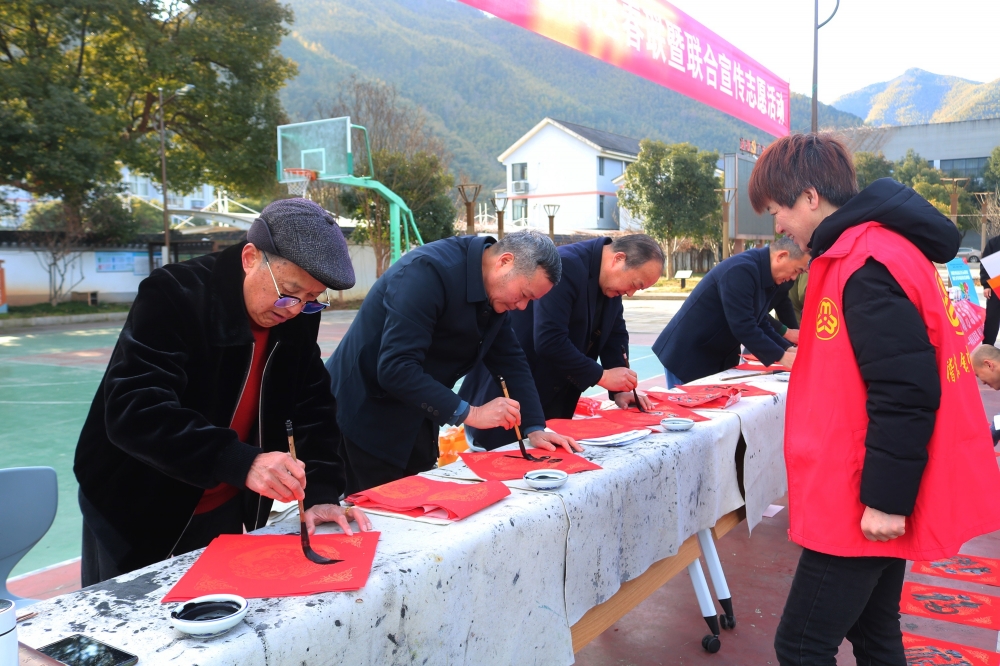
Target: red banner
point(656, 41)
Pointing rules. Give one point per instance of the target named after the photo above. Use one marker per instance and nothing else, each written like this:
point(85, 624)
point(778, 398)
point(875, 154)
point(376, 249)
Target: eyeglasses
point(309, 307)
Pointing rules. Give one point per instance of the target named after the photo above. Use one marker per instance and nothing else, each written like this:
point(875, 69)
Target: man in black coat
point(580, 321)
point(185, 439)
point(426, 322)
point(992, 324)
point(727, 309)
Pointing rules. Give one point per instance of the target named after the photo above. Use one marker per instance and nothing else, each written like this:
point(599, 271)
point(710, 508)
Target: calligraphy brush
point(310, 554)
point(635, 394)
point(517, 431)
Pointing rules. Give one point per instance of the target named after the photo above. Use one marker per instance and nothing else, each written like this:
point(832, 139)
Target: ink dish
point(209, 616)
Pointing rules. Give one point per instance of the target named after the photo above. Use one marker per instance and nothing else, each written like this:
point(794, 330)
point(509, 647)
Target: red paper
point(509, 465)
point(694, 399)
point(586, 428)
point(922, 651)
point(418, 496)
point(274, 566)
point(972, 318)
point(587, 407)
point(633, 418)
point(746, 390)
point(963, 567)
point(941, 603)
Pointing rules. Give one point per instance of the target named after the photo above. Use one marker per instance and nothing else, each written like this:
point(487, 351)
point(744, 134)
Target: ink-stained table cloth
point(503, 586)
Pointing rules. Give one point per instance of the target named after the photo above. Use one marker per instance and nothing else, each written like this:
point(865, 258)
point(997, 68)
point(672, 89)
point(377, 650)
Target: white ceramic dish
point(782, 376)
point(546, 479)
point(674, 424)
point(214, 625)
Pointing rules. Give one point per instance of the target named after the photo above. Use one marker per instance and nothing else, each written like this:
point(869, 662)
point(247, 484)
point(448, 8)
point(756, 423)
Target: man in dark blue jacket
point(576, 323)
point(426, 322)
point(728, 308)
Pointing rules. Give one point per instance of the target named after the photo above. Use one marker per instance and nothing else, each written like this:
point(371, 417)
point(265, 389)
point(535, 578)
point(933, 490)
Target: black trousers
point(366, 471)
point(98, 565)
point(836, 597)
point(992, 320)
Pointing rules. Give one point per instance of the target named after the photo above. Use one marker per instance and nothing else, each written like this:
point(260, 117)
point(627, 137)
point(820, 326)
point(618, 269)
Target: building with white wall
point(959, 149)
point(138, 185)
point(572, 166)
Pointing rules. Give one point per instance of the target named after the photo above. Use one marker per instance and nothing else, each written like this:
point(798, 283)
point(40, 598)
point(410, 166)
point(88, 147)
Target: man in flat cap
point(185, 439)
point(426, 322)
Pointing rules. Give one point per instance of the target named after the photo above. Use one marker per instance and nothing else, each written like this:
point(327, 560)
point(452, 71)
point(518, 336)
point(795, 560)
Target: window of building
point(520, 210)
point(971, 167)
point(519, 171)
point(600, 206)
point(600, 167)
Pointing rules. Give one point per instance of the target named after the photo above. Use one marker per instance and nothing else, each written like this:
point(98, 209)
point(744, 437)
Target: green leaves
point(78, 92)
point(672, 189)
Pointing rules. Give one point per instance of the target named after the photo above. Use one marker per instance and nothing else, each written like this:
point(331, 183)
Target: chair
point(28, 497)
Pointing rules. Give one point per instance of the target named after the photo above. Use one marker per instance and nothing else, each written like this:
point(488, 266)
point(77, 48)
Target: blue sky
point(867, 42)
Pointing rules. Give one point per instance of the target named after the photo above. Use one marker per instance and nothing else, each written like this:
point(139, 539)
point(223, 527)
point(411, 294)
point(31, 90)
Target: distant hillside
point(919, 97)
point(485, 82)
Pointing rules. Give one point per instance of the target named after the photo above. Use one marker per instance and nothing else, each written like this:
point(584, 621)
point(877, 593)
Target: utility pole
point(816, 26)
point(955, 183)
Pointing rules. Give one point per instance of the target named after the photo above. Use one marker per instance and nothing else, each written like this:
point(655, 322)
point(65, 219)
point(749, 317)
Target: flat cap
point(305, 234)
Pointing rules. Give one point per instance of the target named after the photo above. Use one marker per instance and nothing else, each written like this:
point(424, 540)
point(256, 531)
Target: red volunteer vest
point(826, 420)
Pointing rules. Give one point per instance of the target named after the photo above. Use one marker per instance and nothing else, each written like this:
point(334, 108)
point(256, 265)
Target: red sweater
point(243, 418)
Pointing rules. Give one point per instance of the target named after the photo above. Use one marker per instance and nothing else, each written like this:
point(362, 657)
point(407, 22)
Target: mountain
point(484, 82)
point(917, 97)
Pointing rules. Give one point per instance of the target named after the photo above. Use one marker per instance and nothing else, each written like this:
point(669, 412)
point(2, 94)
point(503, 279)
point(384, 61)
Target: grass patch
point(61, 310)
point(346, 304)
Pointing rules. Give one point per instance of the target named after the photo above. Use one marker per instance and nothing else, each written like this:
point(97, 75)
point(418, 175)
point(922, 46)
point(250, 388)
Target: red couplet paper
point(509, 465)
point(586, 428)
point(418, 496)
point(587, 407)
point(746, 390)
point(706, 399)
point(983, 570)
point(941, 603)
point(972, 318)
point(274, 566)
point(633, 418)
point(923, 651)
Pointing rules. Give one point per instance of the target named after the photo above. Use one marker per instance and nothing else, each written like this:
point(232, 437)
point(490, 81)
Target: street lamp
point(816, 26)
point(163, 169)
point(469, 192)
point(551, 210)
point(499, 201)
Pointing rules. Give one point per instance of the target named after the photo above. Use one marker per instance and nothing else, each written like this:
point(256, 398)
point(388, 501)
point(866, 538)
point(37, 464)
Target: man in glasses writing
point(185, 439)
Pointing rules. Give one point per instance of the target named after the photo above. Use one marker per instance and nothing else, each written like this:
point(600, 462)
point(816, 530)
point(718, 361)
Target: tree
point(56, 240)
point(671, 187)
point(991, 177)
point(870, 167)
point(916, 172)
point(78, 93)
point(407, 158)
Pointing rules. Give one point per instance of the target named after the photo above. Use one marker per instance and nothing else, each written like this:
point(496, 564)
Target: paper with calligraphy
point(509, 465)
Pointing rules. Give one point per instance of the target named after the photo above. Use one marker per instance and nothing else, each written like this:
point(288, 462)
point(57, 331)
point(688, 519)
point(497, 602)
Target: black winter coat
point(894, 353)
point(158, 434)
point(555, 334)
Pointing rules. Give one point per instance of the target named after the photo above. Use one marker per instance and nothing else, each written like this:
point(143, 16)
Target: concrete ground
point(48, 377)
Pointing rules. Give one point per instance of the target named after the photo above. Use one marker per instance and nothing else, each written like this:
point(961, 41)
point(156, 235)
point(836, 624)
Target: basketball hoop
point(297, 181)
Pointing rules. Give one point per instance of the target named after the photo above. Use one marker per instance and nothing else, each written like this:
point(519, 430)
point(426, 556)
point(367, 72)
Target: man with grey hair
point(185, 439)
point(727, 309)
point(580, 322)
point(426, 322)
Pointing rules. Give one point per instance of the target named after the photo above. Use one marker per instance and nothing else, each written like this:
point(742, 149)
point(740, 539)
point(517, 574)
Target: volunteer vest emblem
point(827, 320)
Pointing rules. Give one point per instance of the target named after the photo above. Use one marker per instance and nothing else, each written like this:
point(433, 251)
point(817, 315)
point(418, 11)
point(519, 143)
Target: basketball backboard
point(323, 146)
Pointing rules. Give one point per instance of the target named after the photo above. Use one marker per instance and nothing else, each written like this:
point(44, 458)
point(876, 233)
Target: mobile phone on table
point(79, 650)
